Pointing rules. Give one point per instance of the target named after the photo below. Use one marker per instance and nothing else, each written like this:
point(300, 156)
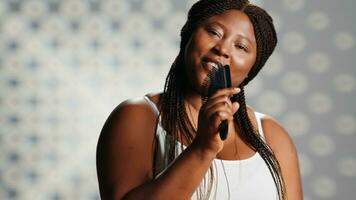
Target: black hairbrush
point(218, 78)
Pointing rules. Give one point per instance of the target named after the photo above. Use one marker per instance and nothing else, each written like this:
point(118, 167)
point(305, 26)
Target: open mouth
point(209, 65)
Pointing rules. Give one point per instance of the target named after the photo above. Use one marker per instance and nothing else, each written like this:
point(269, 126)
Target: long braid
point(175, 118)
point(266, 37)
point(249, 134)
point(173, 113)
point(169, 109)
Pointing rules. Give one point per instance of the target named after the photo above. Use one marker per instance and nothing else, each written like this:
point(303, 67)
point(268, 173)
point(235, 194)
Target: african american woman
point(168, 146)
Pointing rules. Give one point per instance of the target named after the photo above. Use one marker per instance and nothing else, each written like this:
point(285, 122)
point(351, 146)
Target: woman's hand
point(217, 109)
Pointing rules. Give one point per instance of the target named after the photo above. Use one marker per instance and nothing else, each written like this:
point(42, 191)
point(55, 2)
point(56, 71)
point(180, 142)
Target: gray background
point(64, 65)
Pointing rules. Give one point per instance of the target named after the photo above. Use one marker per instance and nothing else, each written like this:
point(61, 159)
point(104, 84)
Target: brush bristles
point(217, 78)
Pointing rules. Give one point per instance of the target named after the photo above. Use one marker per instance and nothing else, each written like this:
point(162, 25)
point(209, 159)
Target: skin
point(124, 167)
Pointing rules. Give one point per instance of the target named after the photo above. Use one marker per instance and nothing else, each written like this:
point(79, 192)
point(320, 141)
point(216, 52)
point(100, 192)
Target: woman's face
point(227, 38)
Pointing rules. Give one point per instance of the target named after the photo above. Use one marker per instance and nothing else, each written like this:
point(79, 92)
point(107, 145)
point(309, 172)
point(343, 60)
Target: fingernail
point(222, 114)
point(237, 89)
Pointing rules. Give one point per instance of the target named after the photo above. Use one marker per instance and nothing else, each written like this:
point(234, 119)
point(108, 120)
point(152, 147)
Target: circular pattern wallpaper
point(65, 65)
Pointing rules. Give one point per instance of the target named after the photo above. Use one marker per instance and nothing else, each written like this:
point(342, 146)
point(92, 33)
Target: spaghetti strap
point(153, 105)
point(259, 117)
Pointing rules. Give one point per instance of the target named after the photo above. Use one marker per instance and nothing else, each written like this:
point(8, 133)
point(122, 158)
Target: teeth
point(213, 64)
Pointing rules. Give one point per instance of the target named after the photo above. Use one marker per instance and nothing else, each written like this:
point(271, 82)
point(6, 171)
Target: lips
point(209, 63)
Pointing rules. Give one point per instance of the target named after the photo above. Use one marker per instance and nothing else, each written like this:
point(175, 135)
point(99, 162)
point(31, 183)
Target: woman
point(167, 146)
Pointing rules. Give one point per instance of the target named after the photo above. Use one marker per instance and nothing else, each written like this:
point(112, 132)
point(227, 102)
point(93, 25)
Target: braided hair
point(174, 117)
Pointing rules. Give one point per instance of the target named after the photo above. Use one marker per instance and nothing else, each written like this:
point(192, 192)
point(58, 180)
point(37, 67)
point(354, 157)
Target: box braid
point(173, 113)
point(249, 135)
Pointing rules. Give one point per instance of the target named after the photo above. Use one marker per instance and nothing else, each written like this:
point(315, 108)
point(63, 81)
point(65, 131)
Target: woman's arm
point(282, 145)
point(124, 159)
point(125, 151)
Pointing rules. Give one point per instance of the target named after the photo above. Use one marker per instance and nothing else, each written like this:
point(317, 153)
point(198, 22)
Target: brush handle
point(223, 129)
point(220, 78)
point(224, 126)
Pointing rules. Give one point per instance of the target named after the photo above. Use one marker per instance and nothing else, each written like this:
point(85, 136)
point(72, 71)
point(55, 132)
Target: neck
point(194, 101)
point(192, 106)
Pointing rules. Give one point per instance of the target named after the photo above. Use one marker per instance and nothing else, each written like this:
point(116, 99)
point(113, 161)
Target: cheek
point(241, 70)
point(237, 78)
point(195, 48)
point(191, 64)
point(192, 52)
point(198, 45)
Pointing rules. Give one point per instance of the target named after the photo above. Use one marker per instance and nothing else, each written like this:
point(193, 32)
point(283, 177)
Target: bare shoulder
point(286, 153)
point(130, 112)
point(276, 135)
point(131, 122)
point(125, 148)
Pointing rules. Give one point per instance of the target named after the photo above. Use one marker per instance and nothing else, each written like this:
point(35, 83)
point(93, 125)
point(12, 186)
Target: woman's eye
point(213, 32)
point(239, 46)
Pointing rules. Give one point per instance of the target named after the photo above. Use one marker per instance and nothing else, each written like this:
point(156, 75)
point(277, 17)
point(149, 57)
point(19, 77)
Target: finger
point(222, 106)
point(218, 118)
point(219, 108)
point(218, 100)
point(226, 92)
point(235, 107)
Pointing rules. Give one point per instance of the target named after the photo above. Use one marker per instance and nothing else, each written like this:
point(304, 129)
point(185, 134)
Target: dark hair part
point(173, 113)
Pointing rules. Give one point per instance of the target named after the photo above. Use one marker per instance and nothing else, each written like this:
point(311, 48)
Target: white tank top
point(248, 179)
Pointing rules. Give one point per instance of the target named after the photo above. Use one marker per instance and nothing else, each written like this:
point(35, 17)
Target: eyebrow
point(240, 35)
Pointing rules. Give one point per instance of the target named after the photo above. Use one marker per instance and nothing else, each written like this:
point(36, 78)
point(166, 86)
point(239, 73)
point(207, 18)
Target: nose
point(222, 48)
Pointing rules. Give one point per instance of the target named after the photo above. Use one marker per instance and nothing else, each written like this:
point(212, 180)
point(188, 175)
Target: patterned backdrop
point(65, 64)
